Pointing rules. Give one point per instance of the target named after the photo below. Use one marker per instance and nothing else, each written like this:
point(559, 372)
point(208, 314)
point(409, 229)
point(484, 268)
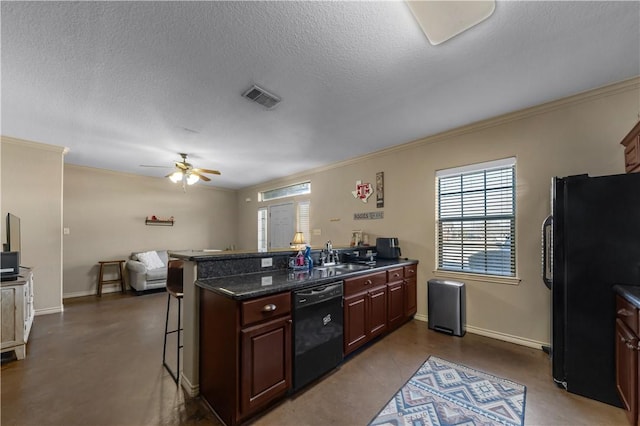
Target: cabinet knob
point(367, 282)
point(396, 275)
point(269, 308)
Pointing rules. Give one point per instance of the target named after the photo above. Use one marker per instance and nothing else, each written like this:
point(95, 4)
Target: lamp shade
point(298, 240)
point(176, 176)
point(191, 178)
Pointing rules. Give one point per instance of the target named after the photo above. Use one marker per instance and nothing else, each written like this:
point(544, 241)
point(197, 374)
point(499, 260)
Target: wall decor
point(363, 191)
point(368, 215)
point(159, 221)
point(380, 189)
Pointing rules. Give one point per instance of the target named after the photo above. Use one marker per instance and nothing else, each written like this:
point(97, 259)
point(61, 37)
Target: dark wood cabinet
point(377, 311)
point(627, 357)
point(355, 322)
point(377, 303)
point(410, 291)
point(395, 294)
point(631, 144)
point(245, 353)
point(365, 309)
point(266, 363)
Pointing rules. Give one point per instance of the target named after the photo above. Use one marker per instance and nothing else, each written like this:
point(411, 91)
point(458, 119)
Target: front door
point(282, 223)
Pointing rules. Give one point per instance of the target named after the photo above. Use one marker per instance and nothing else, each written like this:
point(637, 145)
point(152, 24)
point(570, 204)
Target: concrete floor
point(100, 363)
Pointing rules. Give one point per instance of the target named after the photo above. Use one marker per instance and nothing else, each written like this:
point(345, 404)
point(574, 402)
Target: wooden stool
point(120, 279)
point(174, 289)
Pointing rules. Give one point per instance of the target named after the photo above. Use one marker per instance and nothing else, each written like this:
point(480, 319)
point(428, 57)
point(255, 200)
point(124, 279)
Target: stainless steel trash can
point(447, 306)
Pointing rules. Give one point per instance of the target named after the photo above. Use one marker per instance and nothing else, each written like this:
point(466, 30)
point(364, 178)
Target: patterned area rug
point(444, 393)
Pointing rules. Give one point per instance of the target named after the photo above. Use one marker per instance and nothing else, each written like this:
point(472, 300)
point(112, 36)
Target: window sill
point(493, 279)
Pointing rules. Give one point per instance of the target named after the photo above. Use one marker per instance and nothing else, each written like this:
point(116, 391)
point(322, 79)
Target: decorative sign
point(380, 189)
point(369, 215)
point(363, 191)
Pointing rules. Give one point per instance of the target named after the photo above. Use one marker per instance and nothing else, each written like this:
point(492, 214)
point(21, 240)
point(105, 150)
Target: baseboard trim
point(496, 335)
point(192, 390)
point(507, 337)
point(47, 311)
point(106, 288)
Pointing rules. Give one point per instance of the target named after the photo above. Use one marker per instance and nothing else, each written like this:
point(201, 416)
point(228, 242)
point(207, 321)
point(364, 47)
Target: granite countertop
point(629, 292)
point(246, 286)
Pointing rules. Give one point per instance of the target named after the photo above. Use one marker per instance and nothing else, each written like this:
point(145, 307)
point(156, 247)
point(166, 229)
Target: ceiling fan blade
point(182, 166)
point(203, 177)
point(213, 172)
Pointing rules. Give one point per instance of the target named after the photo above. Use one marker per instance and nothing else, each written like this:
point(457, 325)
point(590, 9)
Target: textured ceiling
point(129, 83)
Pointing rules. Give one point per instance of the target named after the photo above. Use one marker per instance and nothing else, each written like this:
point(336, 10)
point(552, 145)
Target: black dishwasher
point(317, 332)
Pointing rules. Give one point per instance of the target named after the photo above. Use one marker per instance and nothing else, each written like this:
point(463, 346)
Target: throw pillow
point(151, 260)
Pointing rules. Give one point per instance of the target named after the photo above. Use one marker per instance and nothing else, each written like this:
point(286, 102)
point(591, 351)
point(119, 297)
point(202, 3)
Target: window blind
point(476, 219)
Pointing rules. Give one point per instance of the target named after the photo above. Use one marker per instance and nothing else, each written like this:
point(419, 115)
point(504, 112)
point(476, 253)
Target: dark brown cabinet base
point(245, 353)
point(377, 303)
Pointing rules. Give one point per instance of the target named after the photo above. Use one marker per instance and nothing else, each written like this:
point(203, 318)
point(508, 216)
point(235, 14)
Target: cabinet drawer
point(263, 308)
point(365, 282)
point(410, 271)
point(627, 313)
point(395, 274)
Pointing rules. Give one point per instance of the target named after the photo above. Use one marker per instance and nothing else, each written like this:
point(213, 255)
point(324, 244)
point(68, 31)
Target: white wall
point(571, 136)
point(105, 212)
point(31, 181)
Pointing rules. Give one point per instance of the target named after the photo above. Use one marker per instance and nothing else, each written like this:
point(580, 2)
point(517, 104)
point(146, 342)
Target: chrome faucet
point(332, 256)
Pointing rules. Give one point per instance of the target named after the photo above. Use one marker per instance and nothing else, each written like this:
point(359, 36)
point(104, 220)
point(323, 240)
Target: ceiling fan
point(185, 172)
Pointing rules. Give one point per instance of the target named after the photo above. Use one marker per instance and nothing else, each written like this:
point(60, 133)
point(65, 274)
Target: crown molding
point(35, 145)
point(590, 95)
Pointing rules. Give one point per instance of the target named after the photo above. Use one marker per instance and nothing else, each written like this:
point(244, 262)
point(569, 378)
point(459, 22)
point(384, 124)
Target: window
point(262, 229)
point(285, 191)
point(303, 220)
point(476, 218)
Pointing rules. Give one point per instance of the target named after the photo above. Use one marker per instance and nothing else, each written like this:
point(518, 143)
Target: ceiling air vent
point(261, 96)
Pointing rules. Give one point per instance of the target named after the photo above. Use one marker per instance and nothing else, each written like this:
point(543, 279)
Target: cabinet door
point(627, 369)
point(9, 320)
point(377, 311)
point(355, 325)
point(266, 364)
point(395, 295)
point(410, 297)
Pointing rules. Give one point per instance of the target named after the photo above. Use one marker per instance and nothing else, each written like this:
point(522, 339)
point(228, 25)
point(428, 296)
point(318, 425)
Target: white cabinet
point(16, 298)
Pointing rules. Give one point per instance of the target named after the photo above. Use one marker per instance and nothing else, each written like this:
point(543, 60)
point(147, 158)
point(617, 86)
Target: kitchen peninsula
point(239, 317)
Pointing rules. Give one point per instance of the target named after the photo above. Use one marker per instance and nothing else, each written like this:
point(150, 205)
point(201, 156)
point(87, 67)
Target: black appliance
point(317, 332)
point(387, 248)
point(590, 243)
point(9, 265)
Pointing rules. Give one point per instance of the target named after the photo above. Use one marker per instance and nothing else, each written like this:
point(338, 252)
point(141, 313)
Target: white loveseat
point(144, 274)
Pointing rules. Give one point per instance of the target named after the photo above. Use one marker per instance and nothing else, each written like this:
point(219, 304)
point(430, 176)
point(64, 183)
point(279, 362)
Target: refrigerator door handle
point(547, 273)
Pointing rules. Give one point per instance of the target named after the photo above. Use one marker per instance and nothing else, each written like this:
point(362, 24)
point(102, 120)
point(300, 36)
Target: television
point(13, 233)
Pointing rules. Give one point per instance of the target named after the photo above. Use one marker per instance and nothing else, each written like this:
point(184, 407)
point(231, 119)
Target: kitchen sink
point(344, 267)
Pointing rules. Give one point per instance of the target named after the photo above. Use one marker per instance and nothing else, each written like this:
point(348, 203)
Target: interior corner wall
point(31, 184)
point(576, 135)
point(105, 213)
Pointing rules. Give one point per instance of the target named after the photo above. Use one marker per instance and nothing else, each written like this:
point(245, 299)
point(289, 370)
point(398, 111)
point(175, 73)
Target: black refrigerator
point(591, 242)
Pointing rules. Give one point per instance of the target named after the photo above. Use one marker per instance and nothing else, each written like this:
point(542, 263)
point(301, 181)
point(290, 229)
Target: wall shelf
point(158, 222)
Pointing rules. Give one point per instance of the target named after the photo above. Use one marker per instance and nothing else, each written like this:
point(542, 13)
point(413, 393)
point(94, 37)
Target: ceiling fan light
point(176, 176)
point(191, 179)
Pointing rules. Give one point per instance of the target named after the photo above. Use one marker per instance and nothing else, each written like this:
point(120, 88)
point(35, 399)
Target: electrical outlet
point(66, 231)
point(266, 262)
